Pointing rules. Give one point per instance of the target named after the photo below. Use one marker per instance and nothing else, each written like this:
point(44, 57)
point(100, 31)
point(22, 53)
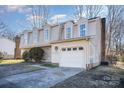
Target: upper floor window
point(46, 35)
point(22, 40)
point(68, 33)
point(35, 37)
point(30, 37)
point(25, 38)
point(82, 30)
point(38, 36)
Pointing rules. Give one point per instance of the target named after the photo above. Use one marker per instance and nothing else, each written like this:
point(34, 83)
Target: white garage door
point(72, 57)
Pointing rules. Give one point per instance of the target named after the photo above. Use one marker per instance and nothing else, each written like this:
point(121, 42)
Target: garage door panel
point(72, 59)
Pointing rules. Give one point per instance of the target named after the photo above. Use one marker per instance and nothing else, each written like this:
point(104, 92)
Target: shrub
point(1, 55)
point(26, 56)
point(36, 54)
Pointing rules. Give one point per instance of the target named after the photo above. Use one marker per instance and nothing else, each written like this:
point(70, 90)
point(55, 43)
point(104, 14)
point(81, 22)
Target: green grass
point(109, 70)
point(11, 61)
point(25, 69)
point(49, 65)
point(32, 68)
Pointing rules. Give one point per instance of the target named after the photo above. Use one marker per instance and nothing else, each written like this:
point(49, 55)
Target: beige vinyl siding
point(75, 31)
point(47, 54)
point(38, 36)
point(7, 46)
point(55, 33)
point(92, 28)
point(42, 37)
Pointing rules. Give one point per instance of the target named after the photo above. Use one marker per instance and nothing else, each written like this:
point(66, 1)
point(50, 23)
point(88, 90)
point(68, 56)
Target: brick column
point(17, 54)
point(103, 22)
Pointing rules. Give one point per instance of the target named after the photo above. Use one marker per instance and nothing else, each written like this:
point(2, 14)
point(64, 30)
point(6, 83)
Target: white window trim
point(35, 37)
point(79, 29)
point(25, 38)
point(44, 35)
point(22, 39)
point(38, 36)
point(30, 38)
point(66, 31)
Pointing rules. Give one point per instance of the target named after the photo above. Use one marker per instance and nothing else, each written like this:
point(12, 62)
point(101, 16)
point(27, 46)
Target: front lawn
point(10, 61)
point(13, 67)
point(99, 77)
point(8, 70)
point(49, 65)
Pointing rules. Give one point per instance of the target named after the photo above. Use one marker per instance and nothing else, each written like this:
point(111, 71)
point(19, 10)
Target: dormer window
point(68, 32)
point(46, 35)
point(38, 36)
point(25, 38)
point(82, 30)
point(29, 37)
point(22, 39)
point(35, 36)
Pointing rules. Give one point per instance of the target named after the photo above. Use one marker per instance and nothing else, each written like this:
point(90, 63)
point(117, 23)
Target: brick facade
point(103, 22)
point(17, 54)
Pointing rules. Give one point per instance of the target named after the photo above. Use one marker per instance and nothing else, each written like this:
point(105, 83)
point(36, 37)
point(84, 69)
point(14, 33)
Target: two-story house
point(70, 44)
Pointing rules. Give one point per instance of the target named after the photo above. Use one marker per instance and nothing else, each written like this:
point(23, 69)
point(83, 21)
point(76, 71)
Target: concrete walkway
point(44, 78)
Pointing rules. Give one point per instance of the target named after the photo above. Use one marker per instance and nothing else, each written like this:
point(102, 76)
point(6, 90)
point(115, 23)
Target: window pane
point(80, 48)
point(30, 37)
point(25, 38)
point(34, 36)
point(63, 49)
point(46, 35)
point(75, 49)
point(82, 30)
point(68, 32)
point(38, 36)
point(69, 49)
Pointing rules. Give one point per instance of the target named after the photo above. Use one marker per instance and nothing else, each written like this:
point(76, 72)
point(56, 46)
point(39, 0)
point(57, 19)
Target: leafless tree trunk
point(114, 25)
point(4, 32)
point(114, 29)
point(40, 15)
point(88, 11)
point(119, 37)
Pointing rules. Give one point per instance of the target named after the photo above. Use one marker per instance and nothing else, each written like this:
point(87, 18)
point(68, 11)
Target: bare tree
point(114, 28)
point(88, 11)
point(4, 32)
point(114, 25)
point(40, 15)
point(118, 37)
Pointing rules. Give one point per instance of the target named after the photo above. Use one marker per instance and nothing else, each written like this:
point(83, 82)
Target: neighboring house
point(7, 47)
point(70, 44)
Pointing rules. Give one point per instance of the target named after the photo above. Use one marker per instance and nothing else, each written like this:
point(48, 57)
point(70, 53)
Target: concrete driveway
point(43, 78)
